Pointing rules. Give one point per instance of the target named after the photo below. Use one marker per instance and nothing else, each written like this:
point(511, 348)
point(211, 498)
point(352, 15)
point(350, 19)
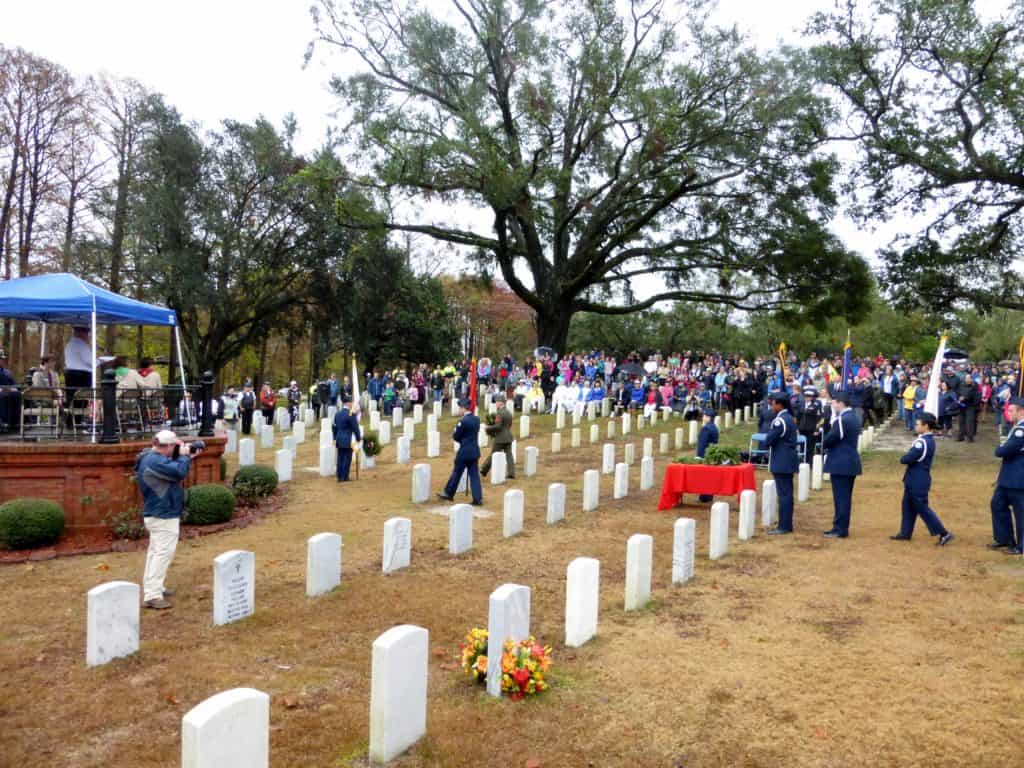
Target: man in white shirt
point(78, 359)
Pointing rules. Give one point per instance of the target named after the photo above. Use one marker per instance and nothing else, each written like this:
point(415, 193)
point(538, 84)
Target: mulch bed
point(97, 543)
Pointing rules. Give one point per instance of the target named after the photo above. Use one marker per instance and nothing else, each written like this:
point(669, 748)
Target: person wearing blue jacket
point(917, 481)
point(781, 439)
point(708, 433)
point(159, 473)
point(467, 435)
point(345, 429)
point(1009, 493)
point(842, 462)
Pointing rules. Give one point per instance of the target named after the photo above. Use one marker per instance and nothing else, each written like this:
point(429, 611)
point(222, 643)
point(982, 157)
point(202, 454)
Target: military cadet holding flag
point(781, 439)
point(842, 462)
point(1009, 493)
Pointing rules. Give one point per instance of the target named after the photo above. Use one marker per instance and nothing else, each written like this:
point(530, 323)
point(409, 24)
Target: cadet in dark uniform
point(345, 429)
point(1009, 492)
point(842, 462)
point(810, 421)
point(781, 439)
point(708, 436)
point(917, 481)
point(467, 435)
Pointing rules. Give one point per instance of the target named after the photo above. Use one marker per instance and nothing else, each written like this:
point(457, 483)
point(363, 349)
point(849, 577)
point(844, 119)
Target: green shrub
point(127, 525)
point(208, 505)
point(254, 482)
point(720, 454)
point(28, 523)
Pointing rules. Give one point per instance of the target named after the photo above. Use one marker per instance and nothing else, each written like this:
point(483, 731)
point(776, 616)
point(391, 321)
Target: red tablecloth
point(705, 479)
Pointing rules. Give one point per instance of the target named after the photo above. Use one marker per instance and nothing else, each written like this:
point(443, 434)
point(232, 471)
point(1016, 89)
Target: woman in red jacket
point(268, 400)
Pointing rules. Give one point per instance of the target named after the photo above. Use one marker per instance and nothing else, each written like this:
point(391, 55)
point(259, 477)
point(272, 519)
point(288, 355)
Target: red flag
point(472, 386)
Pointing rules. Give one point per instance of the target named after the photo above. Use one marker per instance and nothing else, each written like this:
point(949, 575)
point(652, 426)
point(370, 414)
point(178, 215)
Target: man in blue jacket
point(842, 462)
point(917, 481)
point(1009, 492)
point(345, 429)
point(467, 435)
point(708, 436)
point(781, 440)
point(159, 473)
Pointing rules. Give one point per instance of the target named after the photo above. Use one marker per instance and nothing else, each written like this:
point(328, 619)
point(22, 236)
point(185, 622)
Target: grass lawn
point(791, 651)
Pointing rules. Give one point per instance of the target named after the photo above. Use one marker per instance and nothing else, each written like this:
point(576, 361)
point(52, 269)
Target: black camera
point(195, 446)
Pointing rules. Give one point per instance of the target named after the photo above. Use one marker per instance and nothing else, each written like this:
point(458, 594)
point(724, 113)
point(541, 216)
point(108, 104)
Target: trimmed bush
point(208, 505)
point(254, 482)
point(28, 523)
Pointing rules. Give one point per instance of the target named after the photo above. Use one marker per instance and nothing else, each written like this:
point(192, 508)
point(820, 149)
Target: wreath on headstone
point(371, 443)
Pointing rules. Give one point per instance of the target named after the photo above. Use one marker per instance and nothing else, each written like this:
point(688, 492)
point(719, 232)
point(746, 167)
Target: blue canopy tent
point(65, 298)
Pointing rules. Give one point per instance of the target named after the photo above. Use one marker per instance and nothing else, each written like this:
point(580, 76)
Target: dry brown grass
point(789, 652)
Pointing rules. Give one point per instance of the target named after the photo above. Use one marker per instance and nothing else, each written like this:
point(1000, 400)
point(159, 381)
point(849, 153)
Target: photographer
point(160, 472)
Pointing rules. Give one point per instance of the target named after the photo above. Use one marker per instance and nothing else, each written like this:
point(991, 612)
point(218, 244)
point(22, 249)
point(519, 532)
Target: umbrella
point(955, 354)
point(539, 352)
point(631, 369)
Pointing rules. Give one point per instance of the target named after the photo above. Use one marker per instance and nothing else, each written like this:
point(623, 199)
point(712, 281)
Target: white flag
point(931, 400)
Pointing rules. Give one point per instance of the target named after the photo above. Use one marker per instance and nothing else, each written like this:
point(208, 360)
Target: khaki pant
point(163, 540)
point(510, 462)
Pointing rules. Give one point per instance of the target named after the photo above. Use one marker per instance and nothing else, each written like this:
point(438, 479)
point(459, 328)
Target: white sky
point(239, 59)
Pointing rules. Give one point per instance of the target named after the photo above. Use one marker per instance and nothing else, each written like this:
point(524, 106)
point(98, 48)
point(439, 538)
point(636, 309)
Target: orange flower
point(481, 664)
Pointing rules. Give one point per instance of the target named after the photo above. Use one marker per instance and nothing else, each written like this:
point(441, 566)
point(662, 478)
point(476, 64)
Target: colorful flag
point(844, 385)
point(931, 400)
point(472, 386)
point(782, 360)
point(1020, 377)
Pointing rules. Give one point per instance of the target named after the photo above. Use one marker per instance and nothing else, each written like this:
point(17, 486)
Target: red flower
point(522, 677)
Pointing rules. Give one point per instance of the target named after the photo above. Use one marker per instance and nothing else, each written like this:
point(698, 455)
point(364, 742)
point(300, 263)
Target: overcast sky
point(215, 59)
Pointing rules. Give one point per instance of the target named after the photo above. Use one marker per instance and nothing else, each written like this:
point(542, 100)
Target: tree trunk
point(553, 326)
point(117, 242)
point(263, 362)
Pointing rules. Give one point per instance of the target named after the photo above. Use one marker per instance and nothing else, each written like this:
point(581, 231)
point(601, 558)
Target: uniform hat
point(780, 397)
point(1018, 401)
point(165, 437)
point(809, 390)
point(842, 397)
point(709, 412)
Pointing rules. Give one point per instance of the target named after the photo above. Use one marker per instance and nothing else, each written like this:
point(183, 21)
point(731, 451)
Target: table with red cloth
point(705, 480)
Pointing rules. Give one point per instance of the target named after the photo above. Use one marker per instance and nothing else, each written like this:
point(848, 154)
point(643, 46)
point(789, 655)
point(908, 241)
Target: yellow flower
point(481, 664)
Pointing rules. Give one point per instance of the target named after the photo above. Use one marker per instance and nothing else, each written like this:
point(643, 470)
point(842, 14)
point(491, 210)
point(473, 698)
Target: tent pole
point(181, 370)
point(42, 342)
point(93, 400)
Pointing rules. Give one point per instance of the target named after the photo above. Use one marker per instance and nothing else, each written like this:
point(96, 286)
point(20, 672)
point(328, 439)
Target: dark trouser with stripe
point(916, 505)
point(344, 464)
point(1003, 500)
point(470, 467)
point(784, 489)
point(842, 499)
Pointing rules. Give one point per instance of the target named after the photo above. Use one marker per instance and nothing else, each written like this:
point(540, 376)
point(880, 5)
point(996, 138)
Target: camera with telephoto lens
point(195, 447)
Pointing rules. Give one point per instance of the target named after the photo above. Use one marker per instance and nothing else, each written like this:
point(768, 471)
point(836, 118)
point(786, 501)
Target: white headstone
point(627, 424)
point(397, 417)
point(420, 483)
point(591, 409)
point(737, 416)
point(524, 427)
point(641, 422)
point(397, 544)
point(575, 437)
point(684, 537)
point(332, 411)
point(582, 595)
point(404, 453)
point(431, 423)
point(323, 563)
point(481, 439)
point(398, 691)
point(595, 433)
point(299, 432)
point(433, 445)
point(577, 414)
point(453, 407)
point(769, 504)
point(556, 442)
point(648, 447)
point(694, 429)
point(288, 443)
point(437, 409)
point(606, 407)
point(608, 458)
point(747, 413)
point(515, 451)
point(530, 468)
point(409, 429)
point(328, 461)
point(817, 466)
point(611, 429)
point(267, 437)
point(663, 442)
point(384, 433)
point(728, 420)
point(283, 465)
point(679, 438)
point(639, 557)
point(748, 515)
point(629, 454)
point(719, 545)
point(591, 490)
point(508, 618)
point(556, 503)
point(860, 443)
point(257, 422)
point(234, 586)
point(666, 412)
point(112, 622)
point(374, 421)
point(246, 452)
point(621, 481)
point(804, 482)
point(417, 414)
point(499, 465)
point(231, 446)
point(646, 473)
point(228, 730)
point(460, 529)
point(560, 419)
point(326, 438)
point(513, 512)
